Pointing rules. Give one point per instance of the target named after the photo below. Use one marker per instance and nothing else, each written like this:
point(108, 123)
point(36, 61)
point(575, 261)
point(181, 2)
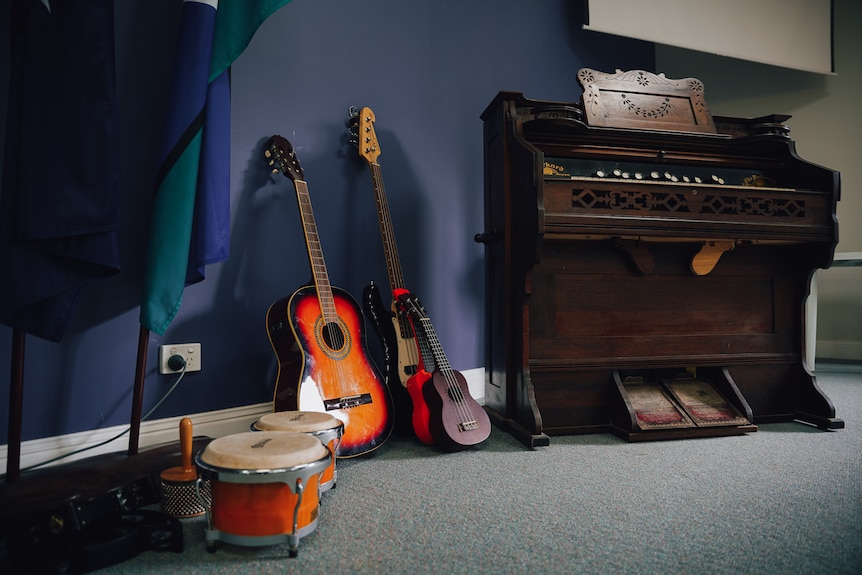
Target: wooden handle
point(186, 472)
point(186, 444)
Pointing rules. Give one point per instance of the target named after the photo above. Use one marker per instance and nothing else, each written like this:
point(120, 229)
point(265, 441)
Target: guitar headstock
point(282, 158)
point(362, 133)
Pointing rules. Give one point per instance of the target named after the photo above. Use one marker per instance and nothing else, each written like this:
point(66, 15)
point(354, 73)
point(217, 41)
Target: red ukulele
point(457, 420)
point(324, 367)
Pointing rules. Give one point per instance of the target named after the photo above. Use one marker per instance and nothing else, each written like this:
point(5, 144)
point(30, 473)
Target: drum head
point(263, 450)
point(298, 421)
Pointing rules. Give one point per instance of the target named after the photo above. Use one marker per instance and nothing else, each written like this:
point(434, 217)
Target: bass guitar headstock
point(361, 127)
point(281, 156)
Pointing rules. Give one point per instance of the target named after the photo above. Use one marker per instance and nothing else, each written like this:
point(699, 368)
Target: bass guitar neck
point(406, 359)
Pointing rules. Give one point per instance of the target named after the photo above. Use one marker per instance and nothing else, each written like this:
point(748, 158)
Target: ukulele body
point(455, 422)
point(421, 417)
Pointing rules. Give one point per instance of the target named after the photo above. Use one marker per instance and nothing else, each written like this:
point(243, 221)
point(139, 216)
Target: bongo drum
point(327, 428)
point(264, 487)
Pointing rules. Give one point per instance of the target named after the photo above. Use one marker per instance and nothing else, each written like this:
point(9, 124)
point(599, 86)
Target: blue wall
point(428, 70)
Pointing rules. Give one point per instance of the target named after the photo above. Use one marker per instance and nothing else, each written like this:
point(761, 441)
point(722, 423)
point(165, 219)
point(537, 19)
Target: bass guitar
point(325, 366)
point(457, 419)
point(409, 367)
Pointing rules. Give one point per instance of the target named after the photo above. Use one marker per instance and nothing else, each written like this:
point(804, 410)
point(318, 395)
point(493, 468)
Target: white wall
point(827, 128)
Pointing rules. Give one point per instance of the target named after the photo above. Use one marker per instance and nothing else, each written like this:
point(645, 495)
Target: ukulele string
point(425, 353)
point(445, 369)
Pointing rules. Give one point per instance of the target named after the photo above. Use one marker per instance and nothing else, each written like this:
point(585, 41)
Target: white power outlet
point(191, 352)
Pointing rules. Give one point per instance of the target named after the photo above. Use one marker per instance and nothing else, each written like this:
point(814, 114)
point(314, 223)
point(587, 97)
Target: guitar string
point(392, 260)
point(309, 228)
point(325, 298)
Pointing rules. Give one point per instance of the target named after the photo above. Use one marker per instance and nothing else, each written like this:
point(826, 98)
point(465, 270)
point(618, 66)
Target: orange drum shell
point(261, 509)
point(256, 479)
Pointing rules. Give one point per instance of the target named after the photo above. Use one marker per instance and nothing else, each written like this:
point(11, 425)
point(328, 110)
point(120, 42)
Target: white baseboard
point(476, 383)
point(209, 423)
point(838, 349)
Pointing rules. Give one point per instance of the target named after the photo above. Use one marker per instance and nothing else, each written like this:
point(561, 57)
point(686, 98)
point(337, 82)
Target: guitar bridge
point(347, 402)
point(468, 425)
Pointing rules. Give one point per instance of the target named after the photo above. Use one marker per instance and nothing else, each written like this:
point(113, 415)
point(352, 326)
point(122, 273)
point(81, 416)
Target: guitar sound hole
point(333, 336)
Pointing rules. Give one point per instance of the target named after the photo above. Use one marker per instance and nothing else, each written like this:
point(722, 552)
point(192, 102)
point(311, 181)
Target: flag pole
point(138, 396)
point(16, 402)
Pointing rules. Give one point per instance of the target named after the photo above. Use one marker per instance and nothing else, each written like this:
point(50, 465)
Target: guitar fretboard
point(393, 268)
point(315, 254)
point(390, 249)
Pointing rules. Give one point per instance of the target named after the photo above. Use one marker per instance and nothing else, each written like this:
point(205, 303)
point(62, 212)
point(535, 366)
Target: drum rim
point(263, 471)
point(338, 427)
point(337, 430)
point(289, 450)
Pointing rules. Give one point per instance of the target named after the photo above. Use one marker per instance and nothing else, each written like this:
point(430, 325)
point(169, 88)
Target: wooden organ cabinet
point(647, 264)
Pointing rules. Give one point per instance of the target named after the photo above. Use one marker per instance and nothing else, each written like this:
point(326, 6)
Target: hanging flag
point(59, 208)
point(191, 211)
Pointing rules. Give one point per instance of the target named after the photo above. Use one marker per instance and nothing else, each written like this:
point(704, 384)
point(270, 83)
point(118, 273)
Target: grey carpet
point(786, 499)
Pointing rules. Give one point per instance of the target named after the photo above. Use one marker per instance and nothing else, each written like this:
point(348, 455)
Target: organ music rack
point(647, 264)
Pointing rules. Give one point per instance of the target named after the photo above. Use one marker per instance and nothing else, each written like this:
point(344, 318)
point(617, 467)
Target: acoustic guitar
point(324, 366)
point(409, 362)
point(457, 420)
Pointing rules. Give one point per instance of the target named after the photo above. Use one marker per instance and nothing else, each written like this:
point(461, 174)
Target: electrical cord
point(174, 362)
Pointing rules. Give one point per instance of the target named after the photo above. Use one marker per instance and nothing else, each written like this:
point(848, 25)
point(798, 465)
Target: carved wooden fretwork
point(738, 205)
point(643, 100)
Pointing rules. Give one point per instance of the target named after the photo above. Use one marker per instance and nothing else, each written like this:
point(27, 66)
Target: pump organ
point(647, 264)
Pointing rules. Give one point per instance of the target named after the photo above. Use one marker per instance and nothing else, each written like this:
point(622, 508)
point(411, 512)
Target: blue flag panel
point(191, 212)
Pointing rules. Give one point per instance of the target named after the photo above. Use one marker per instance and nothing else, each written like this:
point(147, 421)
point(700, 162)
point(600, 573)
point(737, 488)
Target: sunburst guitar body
point(318, 337)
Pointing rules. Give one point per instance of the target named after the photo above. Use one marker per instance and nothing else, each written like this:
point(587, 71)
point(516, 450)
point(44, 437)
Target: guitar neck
point(390, 249)
point(315, 253)
point(393, 264)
